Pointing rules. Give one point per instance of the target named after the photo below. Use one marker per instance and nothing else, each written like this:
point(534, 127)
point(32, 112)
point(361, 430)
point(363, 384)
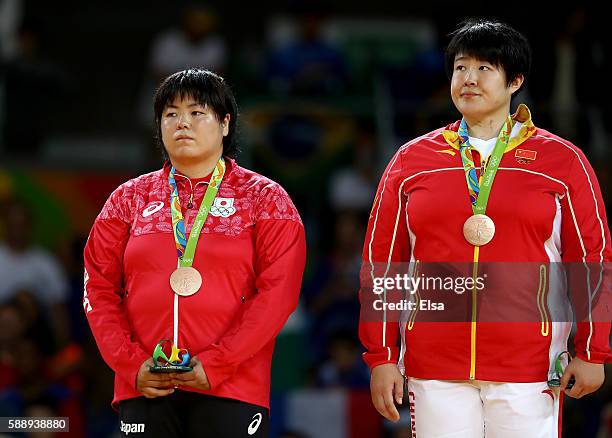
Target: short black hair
point(207, 88)
point(491, 41)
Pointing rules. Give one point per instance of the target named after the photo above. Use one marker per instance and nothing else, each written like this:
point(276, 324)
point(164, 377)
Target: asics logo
point(254, 425)
point(152, 208)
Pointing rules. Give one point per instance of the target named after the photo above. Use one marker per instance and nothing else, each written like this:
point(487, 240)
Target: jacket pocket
point(542, 302)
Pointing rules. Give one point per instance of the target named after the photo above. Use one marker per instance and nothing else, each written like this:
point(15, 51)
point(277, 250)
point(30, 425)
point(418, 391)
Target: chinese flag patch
point(525, 154)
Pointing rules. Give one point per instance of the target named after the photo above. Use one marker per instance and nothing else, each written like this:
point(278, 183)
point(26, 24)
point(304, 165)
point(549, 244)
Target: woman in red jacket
point(200, 261)
point(493, 194)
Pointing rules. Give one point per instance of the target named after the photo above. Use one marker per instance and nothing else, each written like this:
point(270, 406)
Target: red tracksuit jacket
point(547, 208)
point(251, 254)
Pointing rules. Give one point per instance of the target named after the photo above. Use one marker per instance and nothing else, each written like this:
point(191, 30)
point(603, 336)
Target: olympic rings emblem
point(223, 207)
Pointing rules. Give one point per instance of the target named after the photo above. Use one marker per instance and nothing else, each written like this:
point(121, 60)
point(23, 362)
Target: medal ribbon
point(480, 189)
point(186, 247)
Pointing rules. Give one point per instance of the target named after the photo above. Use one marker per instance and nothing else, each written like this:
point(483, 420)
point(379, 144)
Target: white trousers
point(477, 409)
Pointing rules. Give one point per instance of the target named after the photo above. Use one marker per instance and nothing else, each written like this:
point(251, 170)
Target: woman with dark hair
point(500, 196)
point(201, 260)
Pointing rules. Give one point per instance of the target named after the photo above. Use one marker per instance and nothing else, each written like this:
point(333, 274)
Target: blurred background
point(326, 94)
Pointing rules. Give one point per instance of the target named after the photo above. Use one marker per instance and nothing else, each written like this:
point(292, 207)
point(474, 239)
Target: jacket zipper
point(176, 301)
point(541, 298)
point(473, 323)
point(190, 203)
point(191, 190)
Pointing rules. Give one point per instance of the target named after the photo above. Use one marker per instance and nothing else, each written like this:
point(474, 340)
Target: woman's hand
point(195, 378)
point(589, 377)
point(153, 385)
point(387, 386)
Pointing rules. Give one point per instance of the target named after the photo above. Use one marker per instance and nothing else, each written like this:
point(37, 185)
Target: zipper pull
point(190, 204)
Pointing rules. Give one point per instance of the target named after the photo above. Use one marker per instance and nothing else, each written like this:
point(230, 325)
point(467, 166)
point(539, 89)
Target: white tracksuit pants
point(476, 409)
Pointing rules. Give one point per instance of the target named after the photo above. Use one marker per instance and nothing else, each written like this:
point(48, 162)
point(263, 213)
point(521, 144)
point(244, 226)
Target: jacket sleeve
point(280, 249)
point(386, 244)
point(103, 294)
point(586, 253)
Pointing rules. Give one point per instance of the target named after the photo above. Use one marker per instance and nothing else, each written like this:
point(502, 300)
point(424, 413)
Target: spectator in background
point(571, 48)
point(36, 320)
point(353, 187)
point(34, 381)
point(27, 267)
point(194, 44)
point(32, 84)
point(308, 64)
point(344, 367)
point(12, 331)
point(334, 304)
point(40, 368)
point(10, 14)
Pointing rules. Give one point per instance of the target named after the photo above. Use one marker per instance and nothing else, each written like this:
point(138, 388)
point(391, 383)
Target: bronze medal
point(479, 229)
point(185, 281)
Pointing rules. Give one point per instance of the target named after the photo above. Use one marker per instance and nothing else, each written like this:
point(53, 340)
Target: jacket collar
point(522, 115)
point(230, 165)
